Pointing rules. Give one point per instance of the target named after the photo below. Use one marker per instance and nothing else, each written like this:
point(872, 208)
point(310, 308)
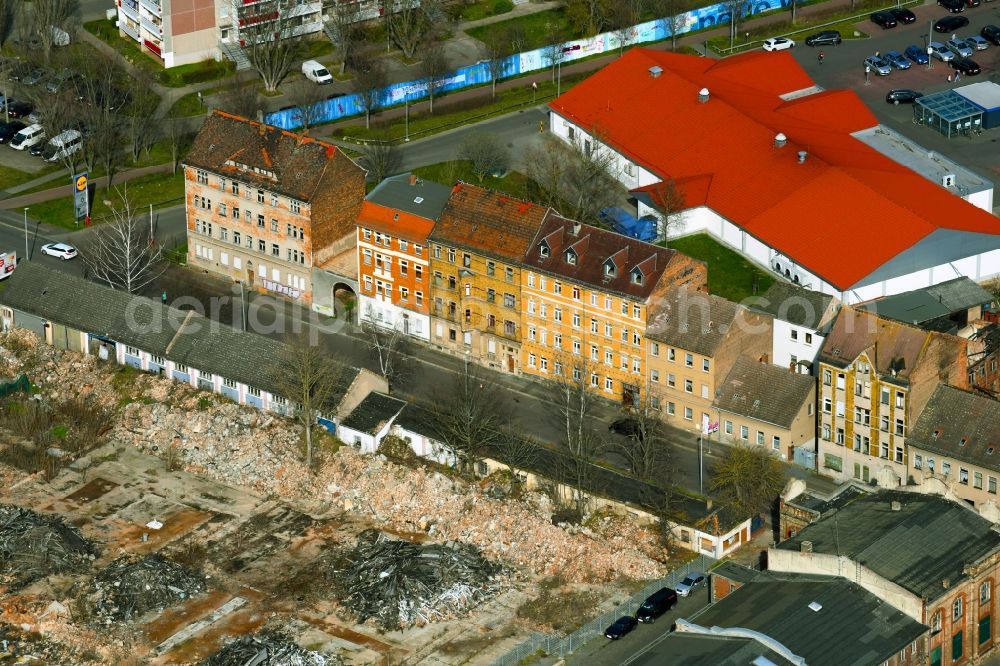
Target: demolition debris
point(270, 648)
point(399, 583)
point(130, 587)
point(34, 545)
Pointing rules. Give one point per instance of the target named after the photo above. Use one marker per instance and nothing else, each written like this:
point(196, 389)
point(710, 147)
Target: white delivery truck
point(316, 72)
point(8, 260)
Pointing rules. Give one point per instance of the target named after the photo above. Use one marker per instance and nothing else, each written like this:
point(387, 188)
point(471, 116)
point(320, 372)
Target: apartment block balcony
point(152, 6)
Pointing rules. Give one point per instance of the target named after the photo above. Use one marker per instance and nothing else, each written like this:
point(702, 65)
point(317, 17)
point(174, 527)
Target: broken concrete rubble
point(35, 545)
point(131, 586)
point(269, 648)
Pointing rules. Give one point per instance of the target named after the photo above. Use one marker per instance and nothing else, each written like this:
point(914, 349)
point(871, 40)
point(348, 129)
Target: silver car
point(878, 65)
point(941, 52)
point(693, 580)
point(959, 48)
point(978, 43)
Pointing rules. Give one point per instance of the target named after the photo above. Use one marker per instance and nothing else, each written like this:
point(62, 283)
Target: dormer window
point(610, 270)
point(543, 250)
point(571, 257)
point(637, 276)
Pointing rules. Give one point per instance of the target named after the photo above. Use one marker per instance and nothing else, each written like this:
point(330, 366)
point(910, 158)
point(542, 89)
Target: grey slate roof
point(373, 412)
point(735, 572)
point(924, 305)
point(764, 392)
point(820, 505)
point(953, 415)
point(794, 304)
point(914, 547)
point(181, 336)
point(853, 626)
point(692, 320)
point(397, 192)
point(689, 649)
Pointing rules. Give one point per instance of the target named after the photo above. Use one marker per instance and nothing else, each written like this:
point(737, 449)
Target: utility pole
point(406, 111)
point(26, 233)
point(150, 223)
point(701, 466)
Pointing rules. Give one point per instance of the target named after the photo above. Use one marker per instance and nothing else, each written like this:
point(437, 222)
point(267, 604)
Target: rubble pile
point(270, 648)
point(34, 545)
point(21, 646)
point(131, 586)
point(398, 583)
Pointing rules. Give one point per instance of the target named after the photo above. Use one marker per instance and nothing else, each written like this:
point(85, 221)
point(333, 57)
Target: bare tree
point(583, 445)
point(387, 346)
point(411, 23)
point(239, 97)
point(735, 10)
point(268, 28)
point(343, 30)
point(370, 79)
point(309, 379)
point(624, 16)
point(487, 154)
point(574, 177)
point(121, 253)
point(748, 478)
point(517, 38)
point(138, 122)
point(517, 452)
point(105, 143)
point(471, 416)
point(380, 158)
point(179, 138)
point(8, 12)
point(644, 445)
point(675, 11)
point(555, 40)
point(49, 17)
point(670, 202)
point(308, 99)
point(434, 68)
point(495, 51)
point(589, 17)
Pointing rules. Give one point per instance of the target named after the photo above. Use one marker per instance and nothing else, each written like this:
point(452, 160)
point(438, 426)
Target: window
point(404, 293)
point(688, 360)
point(557, 340)
point(608, 331)
point(957, 646)
point(274, 226)
point(491, 269)
point(841, 381)
point(261, 245)
point(509, 274)
point(236, 238)
point(608, 357)
point(900, 428)
point(688, 414)
point(654, 348)
point(671, 408)
point(984, 592)
point(827, 378)
point(729, 427)
point(977, 480)
point(437, 251)
point(543, 250)
point(451, 255)
point(809, 338)
point(918, 461)
point(576, 293)
point(840, 436)
point(557, 287)
point(795, 334)
point(466, 260)
point(419, 296)
point(827, 405)
point(222, 209)
point(608, 384)
point(900, 399)
point(654, 375)
point(688, 386)
point(744, 432)
point(203, 177)
point(826, 432)
point(544, 365)
point(991, 485)
point(963, 474)
point(236, 212)
point(296, 207)
point(760, 438)
point(275, 250)
point(936, 622)
point(557, 313)
point(531, 360)
point(260, 224)
point(671, 354)
point(776, 443)
point(704, 365)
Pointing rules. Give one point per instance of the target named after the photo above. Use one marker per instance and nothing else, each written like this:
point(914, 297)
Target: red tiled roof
point(722, 154)
point(395, 222)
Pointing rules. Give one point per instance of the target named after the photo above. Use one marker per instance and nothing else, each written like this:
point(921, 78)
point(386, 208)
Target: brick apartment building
point(587, 297)
point(393, 257)
point(263, 204)
point(477, 248)
point(875, 377)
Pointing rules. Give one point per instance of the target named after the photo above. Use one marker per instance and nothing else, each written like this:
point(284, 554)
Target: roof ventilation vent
point(780, 140)
point(815, 606)
point(802, 156)
point(703, 95)
point(576, 228)
point(655, 71)
point(948, 180)
point(806, 547)
point(418, 200)
point(896, 506)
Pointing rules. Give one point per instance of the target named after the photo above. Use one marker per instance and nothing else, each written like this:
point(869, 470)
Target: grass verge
point(156, 189)
point(11, 177)
point(514, 183)
point(106, 31)
point(729, 275)
point(480, 10)
point(190, 105)
point(536, 29)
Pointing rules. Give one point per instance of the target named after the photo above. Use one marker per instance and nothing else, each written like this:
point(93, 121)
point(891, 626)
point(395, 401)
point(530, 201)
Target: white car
point(60, 250)
point(778, 44)
point(691, 581)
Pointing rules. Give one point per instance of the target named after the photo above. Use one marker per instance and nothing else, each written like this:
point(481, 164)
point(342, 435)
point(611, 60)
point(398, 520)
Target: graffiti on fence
point(523, 63)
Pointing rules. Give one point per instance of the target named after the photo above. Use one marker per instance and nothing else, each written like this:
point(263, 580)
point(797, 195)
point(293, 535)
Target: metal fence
point(559, 646)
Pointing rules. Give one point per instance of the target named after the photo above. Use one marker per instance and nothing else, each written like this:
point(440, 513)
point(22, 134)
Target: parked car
point(878, 65)
point(57, 82)
point(316, 72)
point(20, 109)
point(626, 426)
point(656, 604)
point(693, 580)
point(37, 149)
point(33, 77)
point(902, 96)
point(950, 23)
point(896, 59)
point(991, 33)
point(941, 52)
point(903, 15)
point(916, 54)
point(959, 48)
point(824, 38)
point(778, 44)
point(621, 626)
point(971, 3)
point(977, 43)
point(8, 130)
point(60, 250)
point(21, 70)
point(953, 6)
point(885, 20)
point(27, 137)
point(966, 66)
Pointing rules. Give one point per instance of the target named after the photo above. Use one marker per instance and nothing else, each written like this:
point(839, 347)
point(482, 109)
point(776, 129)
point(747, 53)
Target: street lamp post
point(406, 110)
point(25, 233)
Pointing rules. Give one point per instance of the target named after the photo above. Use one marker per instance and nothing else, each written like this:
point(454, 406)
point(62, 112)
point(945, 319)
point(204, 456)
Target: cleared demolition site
point(146, 522)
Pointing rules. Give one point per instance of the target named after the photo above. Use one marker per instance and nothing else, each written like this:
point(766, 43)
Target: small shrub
point(396, 448)
point(204, 403)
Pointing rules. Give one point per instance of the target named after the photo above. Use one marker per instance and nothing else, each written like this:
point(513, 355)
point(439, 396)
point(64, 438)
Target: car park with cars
point(896, 59)
point(620, 627)
point(965, 66)
point(941, 52)
point(903, 15)
point(959, 48)
point(902, 96)
point(824, 38)
point(916, 54)
point(878, 65)
point(885, 20)
point(950, 23)
point(778, 44)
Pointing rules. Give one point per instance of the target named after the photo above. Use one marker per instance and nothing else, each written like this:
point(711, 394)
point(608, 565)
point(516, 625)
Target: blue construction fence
point(523, 63)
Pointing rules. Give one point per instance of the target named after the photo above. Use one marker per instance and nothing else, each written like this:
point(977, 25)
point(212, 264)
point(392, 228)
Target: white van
point(27, 137)
point(316, 72)
point(62, 145)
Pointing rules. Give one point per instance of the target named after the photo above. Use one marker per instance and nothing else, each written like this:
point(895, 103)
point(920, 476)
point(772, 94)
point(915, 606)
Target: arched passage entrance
point(345, 302)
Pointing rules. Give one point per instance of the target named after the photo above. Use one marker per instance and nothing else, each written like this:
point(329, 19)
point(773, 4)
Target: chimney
point(791, 367)
point(708, 504)
point(802, 156)
point(780, 140)
point(576, 228)
point(806, 547)
point(703, 95)
point(763, 358)
point(896, 506)
point(946, 583)
point(261, 129)
point(413, 179)
point(655, 71)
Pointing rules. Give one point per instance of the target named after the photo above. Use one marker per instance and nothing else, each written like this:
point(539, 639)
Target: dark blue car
point(897, 60)
point(916, 54)
point(622, 626)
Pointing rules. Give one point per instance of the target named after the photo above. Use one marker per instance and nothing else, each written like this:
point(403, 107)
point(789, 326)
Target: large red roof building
point(778, 169)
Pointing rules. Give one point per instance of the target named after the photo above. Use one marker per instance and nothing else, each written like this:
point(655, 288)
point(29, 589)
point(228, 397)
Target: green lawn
point(480, 9)
point(106, 31)
point(448, 173)
point(315, 48)
point(157, 189)
point(729, 274)
point(196, 72)
point(9, 177)
point(536, 28)
point(190, 105)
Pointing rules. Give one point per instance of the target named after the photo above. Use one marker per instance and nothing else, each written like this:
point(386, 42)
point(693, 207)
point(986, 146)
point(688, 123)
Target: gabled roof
point(893, 348)
point(794, 304)
point(373, 413)
point(271, 158)
point(395, 222)
point(929, 303)
point(812, 211)
point(764, 392)
point(961, 425)
point(409, 194)
point(593, 248)
point(488, 222)
point(914, 546)
point(692, 320)
point(825, 620)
